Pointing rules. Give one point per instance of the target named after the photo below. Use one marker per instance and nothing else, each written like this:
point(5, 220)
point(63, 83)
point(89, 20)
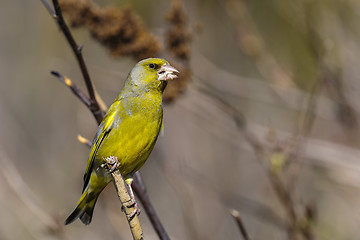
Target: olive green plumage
point(129, 131)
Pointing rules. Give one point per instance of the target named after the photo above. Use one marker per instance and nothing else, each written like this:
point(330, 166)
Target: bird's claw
point(132, 203)
point(111, 164)
point(135, 212)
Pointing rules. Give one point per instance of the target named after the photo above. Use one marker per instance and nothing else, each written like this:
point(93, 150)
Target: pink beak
point(167, 72)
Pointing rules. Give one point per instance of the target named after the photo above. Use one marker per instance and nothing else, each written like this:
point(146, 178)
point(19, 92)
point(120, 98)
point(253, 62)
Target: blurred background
point(264, 119)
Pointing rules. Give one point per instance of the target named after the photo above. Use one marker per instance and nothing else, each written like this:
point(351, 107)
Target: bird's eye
point(152, 66)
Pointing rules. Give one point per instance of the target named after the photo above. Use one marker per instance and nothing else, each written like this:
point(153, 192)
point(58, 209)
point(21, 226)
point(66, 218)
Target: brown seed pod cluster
point(178, 40)
point(120, 30)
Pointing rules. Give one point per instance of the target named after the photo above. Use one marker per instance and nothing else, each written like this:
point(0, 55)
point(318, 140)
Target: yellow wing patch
point(104, 128)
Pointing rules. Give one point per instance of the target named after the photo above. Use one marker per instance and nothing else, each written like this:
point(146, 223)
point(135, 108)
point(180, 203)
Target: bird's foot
point(132, 204)
point(111, 164)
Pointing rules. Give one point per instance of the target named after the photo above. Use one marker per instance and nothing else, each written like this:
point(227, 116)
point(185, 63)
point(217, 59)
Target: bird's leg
point(111, 161)
point(132, 202)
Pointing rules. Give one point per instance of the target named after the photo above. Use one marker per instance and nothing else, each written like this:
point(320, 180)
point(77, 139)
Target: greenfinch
point(128, 132)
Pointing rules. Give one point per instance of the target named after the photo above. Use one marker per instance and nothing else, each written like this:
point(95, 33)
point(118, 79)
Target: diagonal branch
point(74, 88)
point(77, 50)
point(125, 198)
point(236, 215)
point(144, 198)
point(48, 7)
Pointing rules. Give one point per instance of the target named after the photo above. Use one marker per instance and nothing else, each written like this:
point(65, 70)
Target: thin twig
point(125, 199)
point(140, 190)
point(75, 89)
point(285, 197)
point(77, 50)
point(236, 216)
point(309, 217)
point(84, 140)
point(48, 7)
point(303, 131)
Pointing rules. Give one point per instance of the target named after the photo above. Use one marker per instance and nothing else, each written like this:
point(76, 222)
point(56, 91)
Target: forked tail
point(84, 209)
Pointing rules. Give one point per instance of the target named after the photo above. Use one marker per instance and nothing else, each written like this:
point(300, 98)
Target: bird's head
point(151, 74)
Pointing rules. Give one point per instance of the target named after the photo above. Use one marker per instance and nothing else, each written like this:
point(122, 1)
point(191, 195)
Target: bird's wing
point(103, 130)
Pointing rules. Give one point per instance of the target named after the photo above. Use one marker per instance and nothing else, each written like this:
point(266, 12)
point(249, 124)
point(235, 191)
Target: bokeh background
point(265, 122)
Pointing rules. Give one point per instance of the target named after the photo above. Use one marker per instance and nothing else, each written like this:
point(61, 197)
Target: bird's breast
point(134, 133)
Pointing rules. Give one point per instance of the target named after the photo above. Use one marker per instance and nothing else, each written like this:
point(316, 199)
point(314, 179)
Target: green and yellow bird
point(128, 132)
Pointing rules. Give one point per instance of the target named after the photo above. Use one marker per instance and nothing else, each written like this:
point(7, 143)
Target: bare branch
point(236, 216)
point(77, 50)
point(144, 198)
point(48, 7)
point(77, 91)
point(84, 140)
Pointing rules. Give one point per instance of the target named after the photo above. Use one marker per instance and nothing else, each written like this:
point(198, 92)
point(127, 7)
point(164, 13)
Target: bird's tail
point(84, 209)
